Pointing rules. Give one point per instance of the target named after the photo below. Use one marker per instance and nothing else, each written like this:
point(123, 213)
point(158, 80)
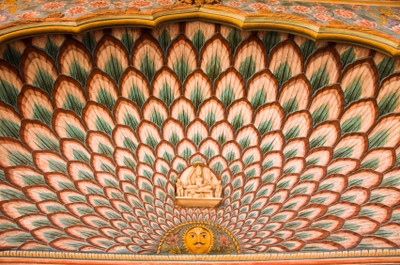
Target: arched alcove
point(97, 126)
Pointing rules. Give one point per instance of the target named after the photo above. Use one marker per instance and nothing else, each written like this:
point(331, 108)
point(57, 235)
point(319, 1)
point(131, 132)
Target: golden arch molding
point(271, 21)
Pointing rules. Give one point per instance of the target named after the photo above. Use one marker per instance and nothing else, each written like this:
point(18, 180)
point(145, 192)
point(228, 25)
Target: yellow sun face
point(198, 240)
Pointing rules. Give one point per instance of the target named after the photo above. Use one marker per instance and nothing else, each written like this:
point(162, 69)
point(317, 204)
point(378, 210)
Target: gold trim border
point(367, 253)
point(293, 24)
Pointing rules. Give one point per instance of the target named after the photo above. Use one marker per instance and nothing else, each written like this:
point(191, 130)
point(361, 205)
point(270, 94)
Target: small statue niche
point(197, 186)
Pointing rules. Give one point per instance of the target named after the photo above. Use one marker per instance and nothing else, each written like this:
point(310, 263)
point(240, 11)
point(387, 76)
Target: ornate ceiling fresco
point(97, 128)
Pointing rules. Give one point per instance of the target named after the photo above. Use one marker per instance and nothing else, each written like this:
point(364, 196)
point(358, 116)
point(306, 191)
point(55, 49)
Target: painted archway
point(96, 127)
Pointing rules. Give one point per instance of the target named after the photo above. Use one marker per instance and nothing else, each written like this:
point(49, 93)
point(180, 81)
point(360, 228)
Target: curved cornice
point(289, 23)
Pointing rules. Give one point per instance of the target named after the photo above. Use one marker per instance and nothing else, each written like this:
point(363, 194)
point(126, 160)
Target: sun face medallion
point(198, 239)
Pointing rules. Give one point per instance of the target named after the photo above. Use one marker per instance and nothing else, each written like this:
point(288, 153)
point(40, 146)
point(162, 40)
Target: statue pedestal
point(201, 202)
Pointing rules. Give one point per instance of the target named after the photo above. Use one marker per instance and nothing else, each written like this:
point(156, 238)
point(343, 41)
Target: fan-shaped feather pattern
point(295, 148)
point(13, 51)
point(325, 134)
point(215, 57)
point(74, 60)
point(272, 141)
point(229, 87)
point(379, 160)
point(127, 113)
point(127, 36)
point(359, 116)
point(388, 97)
point(250, 57)
point(100, 143)
point(38, 136)
point(222, 132)
point(211, 111)
point(240, 114)
point(198, 32)
point(98, 118)
point(285, 61)
point(326, 104)
point(49, 162)
point(351, 146)
point(24, 176)
point(233, 36)
point(269, 118)
point(295, 94)
point(197, 88)
point(173, 131)
point(39, 69)
point(69, 125)
point(11, 84)
point(182, 58)
point(244, 136)
point(148, 56)
point(183, 111)
point(134, 86)
point(349, 53)
point(10, 121)
point(97, 128)
point(186, 149)
point(209, 148)
point(102, 89)
point(50, 43)
point(359, 81)
point(165, 33)
point(155, 111)
point(149, 134)
point(166, 86)
point(386, 132)
point(111, 57)
point(68, 94)
point(90, 39)
point(34, 103)
point(292, 128)
point(323, 68)
point(231, 151)
point(262, 89)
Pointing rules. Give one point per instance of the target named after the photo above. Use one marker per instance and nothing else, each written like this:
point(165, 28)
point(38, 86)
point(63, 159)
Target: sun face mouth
point(198, 244)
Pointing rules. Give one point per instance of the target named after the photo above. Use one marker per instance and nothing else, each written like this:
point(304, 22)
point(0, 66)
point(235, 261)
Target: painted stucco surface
point(96, 127)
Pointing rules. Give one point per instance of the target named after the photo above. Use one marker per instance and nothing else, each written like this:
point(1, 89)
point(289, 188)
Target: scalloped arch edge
point(278, 22)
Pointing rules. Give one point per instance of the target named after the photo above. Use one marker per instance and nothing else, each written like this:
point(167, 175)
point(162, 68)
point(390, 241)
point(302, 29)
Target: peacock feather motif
point(95, 128)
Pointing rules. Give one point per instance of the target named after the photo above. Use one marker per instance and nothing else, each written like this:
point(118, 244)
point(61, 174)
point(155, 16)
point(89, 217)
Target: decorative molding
point(265, 20)
point(318, 257)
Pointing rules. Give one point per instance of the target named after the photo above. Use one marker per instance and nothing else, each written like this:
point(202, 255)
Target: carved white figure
point(198, 182)
point(218, 190)
point(179, 188)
